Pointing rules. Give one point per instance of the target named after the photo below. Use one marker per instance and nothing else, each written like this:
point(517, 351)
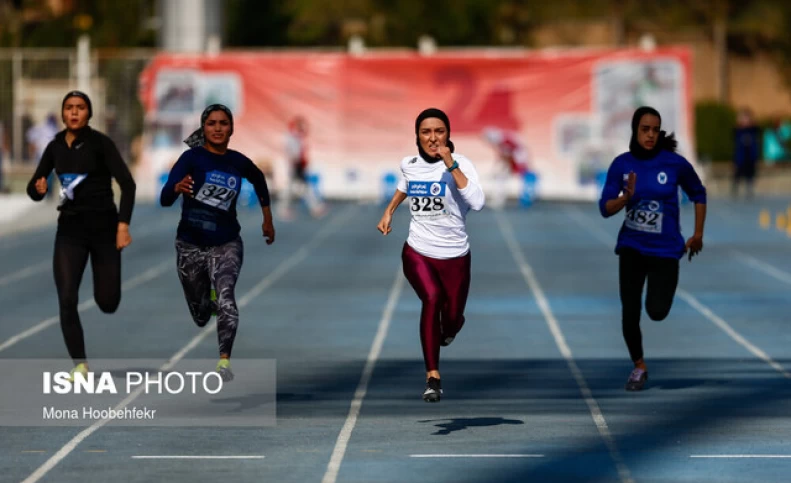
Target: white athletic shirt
point(438, 208)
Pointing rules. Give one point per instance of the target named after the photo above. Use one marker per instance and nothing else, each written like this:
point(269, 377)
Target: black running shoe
point(446, 341)
point(433, 390)
point(636, 380)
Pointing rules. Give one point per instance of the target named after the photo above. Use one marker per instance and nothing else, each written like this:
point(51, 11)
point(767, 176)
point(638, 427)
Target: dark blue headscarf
point(197, 138)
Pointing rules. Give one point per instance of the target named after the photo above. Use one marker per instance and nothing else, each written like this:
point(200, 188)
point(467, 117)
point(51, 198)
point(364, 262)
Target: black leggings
point(662, 275)
point(77, 239)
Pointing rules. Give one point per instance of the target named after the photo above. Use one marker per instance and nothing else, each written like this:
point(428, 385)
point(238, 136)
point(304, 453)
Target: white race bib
point(219, 190)
point(427, 199)
point(646, 216)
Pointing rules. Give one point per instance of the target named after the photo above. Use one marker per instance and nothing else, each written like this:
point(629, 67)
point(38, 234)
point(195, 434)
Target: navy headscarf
point(197, 138)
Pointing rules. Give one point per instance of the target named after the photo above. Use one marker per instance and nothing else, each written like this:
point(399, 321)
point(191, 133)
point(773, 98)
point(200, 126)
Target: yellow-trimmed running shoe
point(224, 369)
point(82, 368)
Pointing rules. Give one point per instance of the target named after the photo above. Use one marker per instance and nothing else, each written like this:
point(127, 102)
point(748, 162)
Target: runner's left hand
point(269, 232)
point(122, 237)
point(694, 246)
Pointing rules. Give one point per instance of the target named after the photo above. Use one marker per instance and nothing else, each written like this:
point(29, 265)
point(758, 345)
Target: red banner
point(569, 109)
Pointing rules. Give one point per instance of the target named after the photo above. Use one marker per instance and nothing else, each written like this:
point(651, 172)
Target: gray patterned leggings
point(199, 269)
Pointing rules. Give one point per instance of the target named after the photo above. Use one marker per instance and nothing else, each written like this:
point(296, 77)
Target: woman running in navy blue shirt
point(208, 246)
point(645, 181)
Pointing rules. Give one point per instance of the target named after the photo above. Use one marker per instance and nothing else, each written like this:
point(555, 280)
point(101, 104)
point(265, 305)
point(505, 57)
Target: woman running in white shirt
point(442, 187)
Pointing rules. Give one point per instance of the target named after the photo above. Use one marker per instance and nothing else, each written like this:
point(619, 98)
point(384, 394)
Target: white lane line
point(209, 329)
point(565, 350)
point(717, 320)
point(133, 282)
point(476, 456)
point(334, 466)
point(47, 264)
point(25, 272)
point(608, 240)
point(770, 270)
point(739, 456)
point(196, 457)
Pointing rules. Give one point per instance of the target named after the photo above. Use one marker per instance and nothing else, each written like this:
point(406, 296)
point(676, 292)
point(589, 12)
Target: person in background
point(297, 159)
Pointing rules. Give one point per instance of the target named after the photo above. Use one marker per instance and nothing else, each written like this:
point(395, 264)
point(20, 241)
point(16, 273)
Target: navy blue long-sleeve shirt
point(209, 217)
point(652, 224)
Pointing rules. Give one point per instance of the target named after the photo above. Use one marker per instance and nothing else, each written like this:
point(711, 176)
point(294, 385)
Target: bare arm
point(268, 227)
point(384, 223)
point(695, 243)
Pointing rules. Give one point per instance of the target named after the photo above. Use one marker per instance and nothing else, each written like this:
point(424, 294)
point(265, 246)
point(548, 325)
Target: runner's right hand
point(184, 186)
point(631, 180)
point(41, 185)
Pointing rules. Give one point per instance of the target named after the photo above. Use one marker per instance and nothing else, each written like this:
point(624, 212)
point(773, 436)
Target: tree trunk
point(721, 50)
point(618, 22)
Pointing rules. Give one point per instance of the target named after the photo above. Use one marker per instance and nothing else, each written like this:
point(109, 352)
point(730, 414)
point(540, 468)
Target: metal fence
point(32, 85)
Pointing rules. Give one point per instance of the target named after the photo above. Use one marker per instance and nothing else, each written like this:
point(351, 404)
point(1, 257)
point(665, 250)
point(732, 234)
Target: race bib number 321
point(427, 198)
point(219, 190)
point(646, 216)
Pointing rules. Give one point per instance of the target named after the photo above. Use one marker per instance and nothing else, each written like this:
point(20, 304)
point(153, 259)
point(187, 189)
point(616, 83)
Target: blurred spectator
point(39, 136)
point(2, 155)
point(512, 159)
point(297, 172)
point(777, 141)
point(746, 151)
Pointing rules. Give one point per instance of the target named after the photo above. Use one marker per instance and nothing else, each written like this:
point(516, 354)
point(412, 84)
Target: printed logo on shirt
point(662, 177)
point(426, 188)
point(219, 190)
point(68, 182)
point(427, 198)
point(413, 160)
point(645, 216)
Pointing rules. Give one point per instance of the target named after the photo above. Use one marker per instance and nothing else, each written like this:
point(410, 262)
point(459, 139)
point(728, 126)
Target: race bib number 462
point(646, 216)
point(219, 190)
point(427, 198)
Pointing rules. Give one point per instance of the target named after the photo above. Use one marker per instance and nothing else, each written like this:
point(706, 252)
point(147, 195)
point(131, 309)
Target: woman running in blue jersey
point(645, 181)
point(442, 187)
point(208, 246)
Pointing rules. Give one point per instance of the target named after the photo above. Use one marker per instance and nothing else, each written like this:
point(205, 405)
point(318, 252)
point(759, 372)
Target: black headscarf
point(197, 138)
point(437, 113)
point(665, 142)
point(82, 96)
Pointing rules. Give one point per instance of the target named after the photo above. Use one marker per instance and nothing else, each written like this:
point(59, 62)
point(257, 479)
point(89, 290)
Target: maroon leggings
point(442, 286)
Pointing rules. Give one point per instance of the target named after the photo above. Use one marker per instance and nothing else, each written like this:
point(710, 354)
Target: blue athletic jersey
point(208, 218)
point(652, 225)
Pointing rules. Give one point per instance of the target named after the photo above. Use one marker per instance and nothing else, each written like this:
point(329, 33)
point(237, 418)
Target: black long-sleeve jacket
point(95, 155)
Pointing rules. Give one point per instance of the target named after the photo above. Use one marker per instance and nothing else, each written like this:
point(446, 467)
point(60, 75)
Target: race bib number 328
point(646, 216)
point(219, 190)
point(427, 198)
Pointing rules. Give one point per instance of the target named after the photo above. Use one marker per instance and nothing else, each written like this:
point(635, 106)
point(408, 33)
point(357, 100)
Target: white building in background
point(190, 25)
